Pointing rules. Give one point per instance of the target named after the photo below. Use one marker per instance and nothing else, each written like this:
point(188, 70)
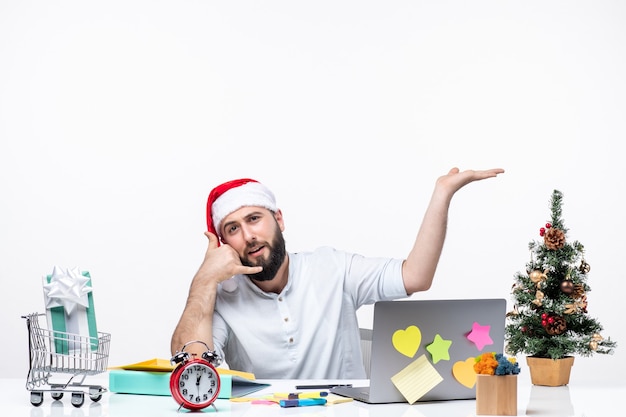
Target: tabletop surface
point(586, 400)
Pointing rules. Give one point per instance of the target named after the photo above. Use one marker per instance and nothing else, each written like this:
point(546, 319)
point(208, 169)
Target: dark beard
point(270, 266)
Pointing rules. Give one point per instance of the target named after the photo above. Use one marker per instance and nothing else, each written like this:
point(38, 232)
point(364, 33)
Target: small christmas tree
point(550, 318)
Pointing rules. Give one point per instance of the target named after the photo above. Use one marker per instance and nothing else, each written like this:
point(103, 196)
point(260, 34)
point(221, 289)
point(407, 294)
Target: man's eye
point(232, 229)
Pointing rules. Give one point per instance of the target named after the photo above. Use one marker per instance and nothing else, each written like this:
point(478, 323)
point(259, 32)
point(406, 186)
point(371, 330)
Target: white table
point(574, 400)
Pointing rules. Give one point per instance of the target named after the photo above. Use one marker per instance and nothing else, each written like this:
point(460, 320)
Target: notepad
point(416, 379)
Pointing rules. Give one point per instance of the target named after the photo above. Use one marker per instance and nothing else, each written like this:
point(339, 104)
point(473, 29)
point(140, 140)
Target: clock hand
point(198, 383)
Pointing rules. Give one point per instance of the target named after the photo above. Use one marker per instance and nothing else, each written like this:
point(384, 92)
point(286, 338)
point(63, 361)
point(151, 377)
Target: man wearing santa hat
point(293, 315)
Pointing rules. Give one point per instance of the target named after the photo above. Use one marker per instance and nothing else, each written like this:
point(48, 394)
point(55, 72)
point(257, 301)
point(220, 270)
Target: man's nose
point(248, 234)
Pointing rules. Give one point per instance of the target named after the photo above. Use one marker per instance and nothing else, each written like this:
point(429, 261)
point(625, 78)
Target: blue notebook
point(158, 383)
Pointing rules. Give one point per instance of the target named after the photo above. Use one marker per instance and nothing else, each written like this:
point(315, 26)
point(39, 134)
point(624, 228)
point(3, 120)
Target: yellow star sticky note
point(439, 349)
point(416, 379)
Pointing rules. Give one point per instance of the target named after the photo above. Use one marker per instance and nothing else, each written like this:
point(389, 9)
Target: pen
point(304, 402)
point(297, 395)
point(322, 386)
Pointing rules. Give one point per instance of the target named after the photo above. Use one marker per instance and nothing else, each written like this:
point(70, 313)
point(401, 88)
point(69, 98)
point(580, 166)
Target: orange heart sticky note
point(464, 372)
point(407, 341)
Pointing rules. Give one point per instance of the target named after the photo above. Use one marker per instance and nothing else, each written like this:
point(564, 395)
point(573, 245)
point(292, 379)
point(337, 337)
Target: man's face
point(272, 263)
point(256, 234)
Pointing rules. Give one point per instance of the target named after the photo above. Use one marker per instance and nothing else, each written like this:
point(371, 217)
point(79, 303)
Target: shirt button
point(286, 319)
point(291, 340)
point(280, 298)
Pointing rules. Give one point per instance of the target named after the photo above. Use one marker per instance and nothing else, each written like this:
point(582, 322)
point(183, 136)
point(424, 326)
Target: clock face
point(195, 385)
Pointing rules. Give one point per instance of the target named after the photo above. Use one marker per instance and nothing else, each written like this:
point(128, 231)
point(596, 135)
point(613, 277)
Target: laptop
point(429, 344)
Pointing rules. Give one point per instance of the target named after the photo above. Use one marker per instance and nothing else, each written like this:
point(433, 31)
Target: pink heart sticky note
point(407, 341)
point(463, 372)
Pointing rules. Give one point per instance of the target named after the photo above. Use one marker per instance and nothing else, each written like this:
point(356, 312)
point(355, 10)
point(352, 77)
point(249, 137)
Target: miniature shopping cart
point(52, 352)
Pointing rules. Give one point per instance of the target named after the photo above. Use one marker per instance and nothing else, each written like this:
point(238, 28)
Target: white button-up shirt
point(309, 330)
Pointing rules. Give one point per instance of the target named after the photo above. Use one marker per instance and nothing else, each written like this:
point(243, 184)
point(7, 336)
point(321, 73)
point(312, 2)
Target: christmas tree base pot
point(550, 372)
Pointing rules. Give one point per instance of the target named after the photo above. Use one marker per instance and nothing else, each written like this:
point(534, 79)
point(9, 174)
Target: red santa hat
point(233, 195)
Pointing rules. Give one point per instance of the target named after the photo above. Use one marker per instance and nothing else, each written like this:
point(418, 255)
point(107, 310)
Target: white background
point(118, 117)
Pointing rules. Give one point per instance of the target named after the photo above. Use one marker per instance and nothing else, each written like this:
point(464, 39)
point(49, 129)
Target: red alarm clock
point(195, 383)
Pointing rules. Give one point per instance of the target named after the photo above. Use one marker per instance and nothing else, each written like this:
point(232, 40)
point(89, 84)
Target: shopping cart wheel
point(95, 393)
point(56, 395)
point(78, 398)
point(36, 398)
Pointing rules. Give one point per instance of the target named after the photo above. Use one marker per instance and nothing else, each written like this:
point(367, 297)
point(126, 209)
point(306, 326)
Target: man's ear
point(278, 215)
